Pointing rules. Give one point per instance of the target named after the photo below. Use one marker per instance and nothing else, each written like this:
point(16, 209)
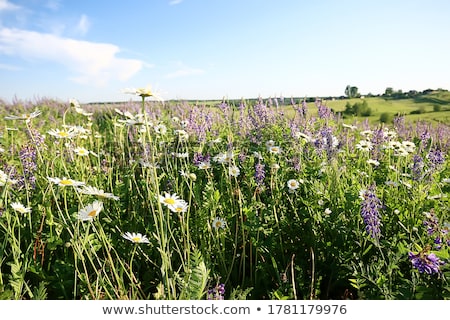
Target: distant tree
point(389, 91)
point(351, 91)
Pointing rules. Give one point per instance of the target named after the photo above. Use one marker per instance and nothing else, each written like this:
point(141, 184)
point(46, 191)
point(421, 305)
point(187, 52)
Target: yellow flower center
point(169, 201)
point(63, 134)
point(136, 239)
point(66, 182)
point(92, 213)
point(218, 224)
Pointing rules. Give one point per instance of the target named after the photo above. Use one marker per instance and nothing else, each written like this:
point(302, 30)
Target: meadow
point(260, 199)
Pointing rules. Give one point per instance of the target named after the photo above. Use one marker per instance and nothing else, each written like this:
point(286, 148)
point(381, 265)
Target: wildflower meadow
point(183, 201)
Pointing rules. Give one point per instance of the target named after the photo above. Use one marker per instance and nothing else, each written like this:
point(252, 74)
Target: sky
point(92, 50)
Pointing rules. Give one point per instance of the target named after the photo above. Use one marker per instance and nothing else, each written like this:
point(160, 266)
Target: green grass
point(379, 105)
point(292, 219)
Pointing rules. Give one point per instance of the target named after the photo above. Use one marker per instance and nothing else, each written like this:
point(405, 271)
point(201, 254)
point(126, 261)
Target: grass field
point(184, 200)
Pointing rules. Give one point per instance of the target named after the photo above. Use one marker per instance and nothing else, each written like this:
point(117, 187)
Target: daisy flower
point(234, 171)
point(180, 206)
point(81, 151)
point(367, 133)
point(390, 134)
point(182, 135)
point(270, 143)
point(293, 184)
point(89, 212)
point(169, 199)
point(93, 191)
point(62, 134)
point(26, 116)
point(5, 179)
point(65, 182)
point(135, 237)
point(18, 207)
point(160, 129)
point(76, 105)
point(409, 146)
point(204, 165)
point(274, 149)
point(376, 163)
point(364, 145)
point(219, 223)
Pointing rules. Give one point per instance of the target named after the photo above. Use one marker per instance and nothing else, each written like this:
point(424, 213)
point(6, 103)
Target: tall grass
point(152, 200)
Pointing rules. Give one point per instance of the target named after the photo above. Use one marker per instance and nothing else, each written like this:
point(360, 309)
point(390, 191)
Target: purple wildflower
point(28, 157)
point(436, 157)
point(260, 174)
point(216, 293)
point(417, 168)
point(199, 157)
point(370, 212)
point(425, 263)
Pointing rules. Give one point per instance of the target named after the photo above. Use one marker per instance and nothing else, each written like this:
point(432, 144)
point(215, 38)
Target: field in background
point(432, 107)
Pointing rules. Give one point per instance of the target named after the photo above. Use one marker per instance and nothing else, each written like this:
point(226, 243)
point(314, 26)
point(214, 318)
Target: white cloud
point(175, 2)
point(184, 71)
point(6, 5)
point(9, 67)
point(83, 25)
point(53, 4)
point(91, 63)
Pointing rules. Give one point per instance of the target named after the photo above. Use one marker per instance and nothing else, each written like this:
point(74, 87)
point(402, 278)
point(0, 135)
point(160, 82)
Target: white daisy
point(180, 206)
point(26, 116)
point(62, 134)
point(135, 237)
point(81, 151)
point(65, 182)
point(204, 165)
point(376, 163)
point(93, 191)
point(219, 223)
point(169, 199)
point(293, 184)
point(274, 149)
point(182, 135)
point(5, 179)
point(234, 171)
point(364, 145)
point(18, 207)
point(91, 211)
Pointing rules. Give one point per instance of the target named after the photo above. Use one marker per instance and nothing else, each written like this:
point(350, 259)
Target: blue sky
point(209, 49)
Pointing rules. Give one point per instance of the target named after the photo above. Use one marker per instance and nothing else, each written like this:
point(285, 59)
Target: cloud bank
point(90, 62)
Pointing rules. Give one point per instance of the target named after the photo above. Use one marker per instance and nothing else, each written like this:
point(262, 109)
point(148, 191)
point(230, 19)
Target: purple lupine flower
point(323, 111)
point(370, 212)
point(216, 293)
point(440, 231)
point(425, 136)
point(436, 157)
point(199, 158)
point(36, 137)
point(28, 157)
point(425, 263)
point(304, 108)
point(260, 174)
point(327, 142)
point(417, 168)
